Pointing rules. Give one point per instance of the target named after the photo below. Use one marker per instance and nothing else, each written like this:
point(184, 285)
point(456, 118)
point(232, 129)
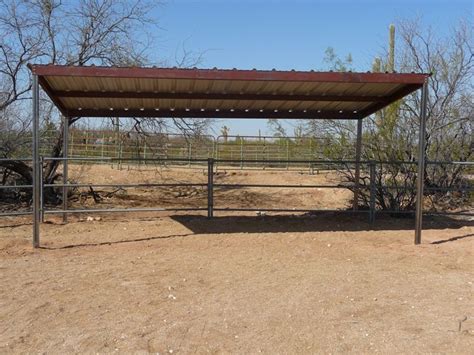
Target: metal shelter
point(216, 93)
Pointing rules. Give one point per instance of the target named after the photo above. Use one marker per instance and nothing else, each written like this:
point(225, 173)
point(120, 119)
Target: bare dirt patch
point(241, 284)
point(196, 196)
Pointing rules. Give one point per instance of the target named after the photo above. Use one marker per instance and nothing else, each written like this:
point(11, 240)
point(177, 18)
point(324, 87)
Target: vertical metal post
point(241, 153)
point(118, 143)
point(72, 144)
point(120, 156)
point(355, 204)
point(217, 154)
point(102, 147)
point(144, 153)
point(264, 152)
point(210, 188)
point(41, 189)
point(36, 164)
point(421, 164)
point(372, 192)
point(189, 153)
point(65, 165)
point(87, 143)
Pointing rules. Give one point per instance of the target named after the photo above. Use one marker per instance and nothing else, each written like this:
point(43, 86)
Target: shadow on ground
point(323, 222)
point(453, 239)
point(69, 246)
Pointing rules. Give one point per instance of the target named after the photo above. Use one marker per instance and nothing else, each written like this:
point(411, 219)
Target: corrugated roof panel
point(190, 90)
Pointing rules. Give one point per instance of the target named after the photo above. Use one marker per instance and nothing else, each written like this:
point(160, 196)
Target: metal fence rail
point(126, 144)
point(211, 207)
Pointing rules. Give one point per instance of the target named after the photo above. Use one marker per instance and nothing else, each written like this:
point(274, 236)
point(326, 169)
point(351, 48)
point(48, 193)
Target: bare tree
point(83, 32)
point(392, 134)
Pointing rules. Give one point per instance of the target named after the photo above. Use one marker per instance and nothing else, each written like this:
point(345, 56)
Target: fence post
point(120, 156)
point(264, 153)
point(217, 153)
point(102, 147)
point(41, 190)
point(144, 153)
point(189, 153)
point(241, 154)
point(71, 146)
point(210, 188)
point(87, 143)
point(372, 191)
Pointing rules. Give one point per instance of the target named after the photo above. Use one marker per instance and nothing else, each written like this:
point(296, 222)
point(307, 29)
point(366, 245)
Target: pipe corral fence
point(245, 152)
point(368, 168)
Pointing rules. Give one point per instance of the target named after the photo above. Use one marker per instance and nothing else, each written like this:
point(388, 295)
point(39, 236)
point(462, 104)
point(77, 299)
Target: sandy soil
point(314, 198)
point(237, 284)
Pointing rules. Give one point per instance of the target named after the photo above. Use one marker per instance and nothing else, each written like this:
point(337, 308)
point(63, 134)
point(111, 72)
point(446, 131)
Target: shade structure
point(218, 93)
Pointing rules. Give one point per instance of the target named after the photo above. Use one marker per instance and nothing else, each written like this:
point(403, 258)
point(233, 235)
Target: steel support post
point(41, 189)
point(65, 164)
point(36, 164)
point(372, 191)
point(189, 153)
point(210, 188)
point(421, 164)
point(241, 154)
point(217, 154)
point(287, 154)
point(355, 204)
point(118, 143)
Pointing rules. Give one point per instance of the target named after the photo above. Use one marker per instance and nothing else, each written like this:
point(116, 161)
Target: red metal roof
point(217, 93)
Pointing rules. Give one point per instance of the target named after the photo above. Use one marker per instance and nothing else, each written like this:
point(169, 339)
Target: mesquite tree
point(450, 112)
point(83, 32)
point(392, 133)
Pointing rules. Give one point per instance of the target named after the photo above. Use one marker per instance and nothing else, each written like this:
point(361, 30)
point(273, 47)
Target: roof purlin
point(217, 96)
point(256, 114)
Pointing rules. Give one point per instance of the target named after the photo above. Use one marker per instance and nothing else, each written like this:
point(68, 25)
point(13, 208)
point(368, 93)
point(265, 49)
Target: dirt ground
point(314, 198)
point(150, 282)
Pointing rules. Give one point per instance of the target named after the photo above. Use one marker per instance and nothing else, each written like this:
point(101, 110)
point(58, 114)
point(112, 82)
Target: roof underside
point(214, 93)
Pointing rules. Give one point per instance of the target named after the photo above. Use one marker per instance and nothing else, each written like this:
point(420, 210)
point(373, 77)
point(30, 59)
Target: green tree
point(392, 133)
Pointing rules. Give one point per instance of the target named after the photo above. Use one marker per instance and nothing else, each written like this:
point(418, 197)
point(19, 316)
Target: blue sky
point(266, 34)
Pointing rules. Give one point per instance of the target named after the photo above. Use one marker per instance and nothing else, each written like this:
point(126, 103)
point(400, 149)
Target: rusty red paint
point(406, 84)
point(223, 74)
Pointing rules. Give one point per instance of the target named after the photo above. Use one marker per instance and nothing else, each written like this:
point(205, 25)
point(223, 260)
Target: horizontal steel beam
point(399, 94)
point(219, 96)
point(48, 90)
point(214, 113)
